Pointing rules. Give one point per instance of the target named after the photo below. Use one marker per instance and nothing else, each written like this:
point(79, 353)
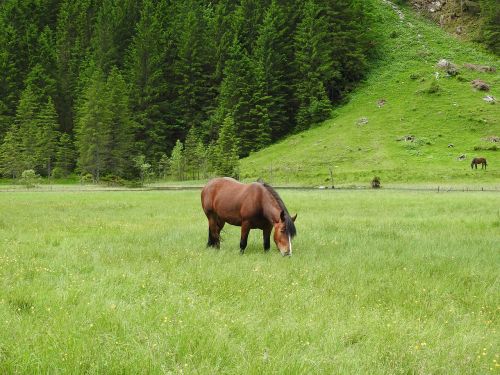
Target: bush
point(433, 88)
point(58, 172)
point(86, 179)
point(112, 180)
point(29, 177)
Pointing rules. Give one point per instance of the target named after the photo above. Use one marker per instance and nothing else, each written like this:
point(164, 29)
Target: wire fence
point(94, 188)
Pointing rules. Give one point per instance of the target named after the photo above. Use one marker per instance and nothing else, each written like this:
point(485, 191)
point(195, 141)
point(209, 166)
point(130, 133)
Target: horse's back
point(221, 186)
point(231, 200)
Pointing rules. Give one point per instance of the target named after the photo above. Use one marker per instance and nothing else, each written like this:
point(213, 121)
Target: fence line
point(438, 189)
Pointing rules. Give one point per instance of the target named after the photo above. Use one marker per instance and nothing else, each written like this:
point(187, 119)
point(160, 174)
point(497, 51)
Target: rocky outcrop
point(455, 16)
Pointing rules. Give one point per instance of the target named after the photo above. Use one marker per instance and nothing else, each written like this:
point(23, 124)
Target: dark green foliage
point(65, 155)
point(241, 98)
point(46, 146)
point(226, 150)
point(273, 54)
point(26, 123)
point(120, 136)
point(126, 78)
point(193, 153)
point(93, 128)
point(11, 164)
point(314, 65)
point(490, 31)
point(149, 86)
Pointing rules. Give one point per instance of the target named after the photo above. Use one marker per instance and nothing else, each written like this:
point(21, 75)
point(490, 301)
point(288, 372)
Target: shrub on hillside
point(432, 88)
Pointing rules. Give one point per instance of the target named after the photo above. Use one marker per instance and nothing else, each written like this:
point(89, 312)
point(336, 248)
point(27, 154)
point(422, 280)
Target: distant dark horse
point(477, 161)
point(253, 206)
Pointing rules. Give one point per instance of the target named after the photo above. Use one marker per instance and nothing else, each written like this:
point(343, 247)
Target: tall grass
point(121, 282)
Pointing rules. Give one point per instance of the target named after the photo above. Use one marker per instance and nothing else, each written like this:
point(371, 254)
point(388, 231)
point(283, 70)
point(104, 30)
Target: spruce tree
point(47, 137)
point(119, 144)
point(177, 160)
point(271, 53)
point(65, 155)
point(191, 156)
point(93, 127)
point(74, 27)
point(26, 121)
point(11, 157)
point(146, 67)
point(241, 98)
point(193, 69)
point(313, 65)
point(226, 150)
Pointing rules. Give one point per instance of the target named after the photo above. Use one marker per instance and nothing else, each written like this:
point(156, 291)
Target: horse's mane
point(289, 224)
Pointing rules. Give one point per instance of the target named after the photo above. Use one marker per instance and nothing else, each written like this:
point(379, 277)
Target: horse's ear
point(282, 216)
point(294, 217)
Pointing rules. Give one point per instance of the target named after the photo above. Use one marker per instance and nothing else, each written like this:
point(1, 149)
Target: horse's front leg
point(245, 229)
point(266, 234)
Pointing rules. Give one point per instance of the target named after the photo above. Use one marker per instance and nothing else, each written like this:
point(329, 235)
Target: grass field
point(121, 282)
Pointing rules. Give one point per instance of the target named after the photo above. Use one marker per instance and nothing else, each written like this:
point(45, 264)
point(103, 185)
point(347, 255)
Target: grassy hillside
point(405, 78)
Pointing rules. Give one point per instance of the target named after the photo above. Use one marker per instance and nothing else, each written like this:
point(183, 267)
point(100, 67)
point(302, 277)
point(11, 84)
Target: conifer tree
point(47, 136)
point(226, 150)
point(26, 121)
point(93, 127)
point(194, 68)
point(271, 52)
point(191, 153)
point(490, 29)
point(146, 71)
point(241, 98)
point(163, 166)
point(314, 66)
point(177, 160)
point(11, 157)
point(65, 155)
point(119, 144)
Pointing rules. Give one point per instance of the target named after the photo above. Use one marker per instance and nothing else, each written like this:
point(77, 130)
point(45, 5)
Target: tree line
point(127, 87)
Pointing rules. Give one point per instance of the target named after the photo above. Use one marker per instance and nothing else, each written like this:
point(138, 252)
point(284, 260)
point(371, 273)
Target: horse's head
point(284, 231)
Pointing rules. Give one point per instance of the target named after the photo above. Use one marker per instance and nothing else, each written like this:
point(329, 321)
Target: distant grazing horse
point(477, 161)
point(251, 206)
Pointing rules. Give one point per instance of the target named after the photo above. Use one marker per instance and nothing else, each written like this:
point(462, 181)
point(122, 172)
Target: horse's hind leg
point(213, 232)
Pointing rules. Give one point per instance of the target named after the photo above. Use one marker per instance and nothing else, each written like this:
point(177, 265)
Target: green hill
point(420, 100)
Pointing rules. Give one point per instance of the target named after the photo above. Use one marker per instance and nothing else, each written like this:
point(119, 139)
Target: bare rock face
point(479, 84)
point(452, 15)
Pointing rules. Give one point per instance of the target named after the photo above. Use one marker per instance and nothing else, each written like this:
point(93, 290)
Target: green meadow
point(381, 282)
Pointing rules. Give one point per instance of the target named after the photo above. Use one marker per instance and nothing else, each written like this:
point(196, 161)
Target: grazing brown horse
point(251, 206)
point(477, 161)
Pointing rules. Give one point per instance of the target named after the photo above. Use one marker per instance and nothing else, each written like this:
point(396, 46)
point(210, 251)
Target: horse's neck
point(271, 208)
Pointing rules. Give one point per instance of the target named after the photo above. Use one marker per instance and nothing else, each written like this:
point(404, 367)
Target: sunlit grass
point(121, 282)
